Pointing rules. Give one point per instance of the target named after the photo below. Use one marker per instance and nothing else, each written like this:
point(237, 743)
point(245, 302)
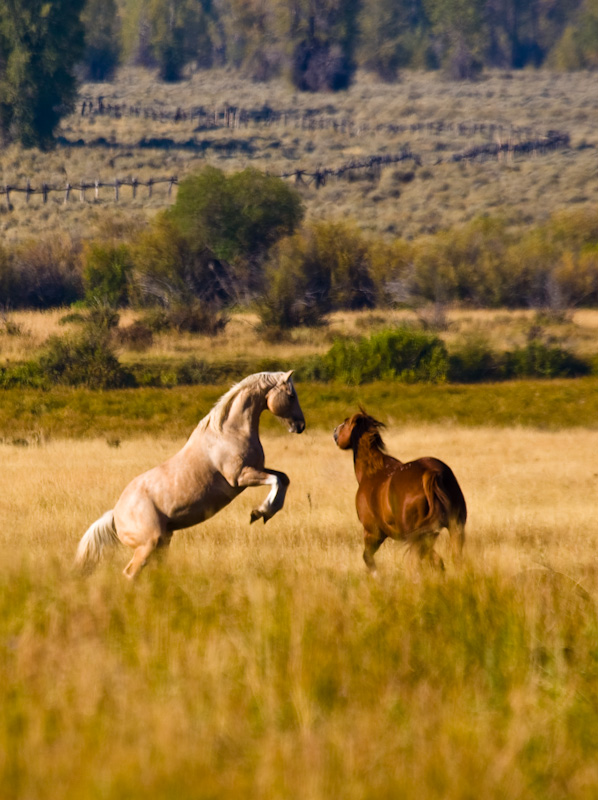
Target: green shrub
point(138, 336)
point(391, 270)
point(474, 361)
point(44, 273)
point(171, 268)
point(576, 276)
point(466, 264)
point(106, 273)
point(540, 360)
point(327, 266)
point(8, 277)
point(24, 375)
point(297, 288)
point(84, 360)
point(342, 254)
point(191, 317)
point(402, 354)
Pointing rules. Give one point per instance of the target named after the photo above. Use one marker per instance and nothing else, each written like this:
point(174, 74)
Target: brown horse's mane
point(369, 446)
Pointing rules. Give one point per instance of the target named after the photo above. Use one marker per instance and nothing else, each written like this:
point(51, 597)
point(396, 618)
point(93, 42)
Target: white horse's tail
point(95, 538)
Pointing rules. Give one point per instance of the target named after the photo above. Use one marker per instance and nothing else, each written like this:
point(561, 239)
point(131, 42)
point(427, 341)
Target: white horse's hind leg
point(139, 526)
point(139, 560)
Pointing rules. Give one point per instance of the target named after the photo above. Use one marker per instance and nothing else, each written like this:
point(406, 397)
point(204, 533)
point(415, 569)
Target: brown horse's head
point(283, 402)
point(349, 432)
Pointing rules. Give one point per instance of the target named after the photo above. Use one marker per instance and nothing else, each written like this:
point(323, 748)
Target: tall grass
point(265, 662)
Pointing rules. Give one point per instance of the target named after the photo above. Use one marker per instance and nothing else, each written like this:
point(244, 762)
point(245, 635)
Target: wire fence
point(508, 149)
point(325, 118)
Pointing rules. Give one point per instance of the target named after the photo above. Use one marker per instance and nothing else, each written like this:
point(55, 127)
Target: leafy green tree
point(390, 31)
point(167, 34)
point(578, 46)
point(40, 42)
point(323, 35)
point(167, 20)
point(461, 33)
point(238, 217)
point(252, 36)
point(102, 30)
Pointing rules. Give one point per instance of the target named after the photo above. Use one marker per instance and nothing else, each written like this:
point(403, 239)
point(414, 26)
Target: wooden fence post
point(150, 185)
point(67, 192)
point(96, 184)
point(27, 191)
point(134, 185)
point(45, 192)
point(116, 185)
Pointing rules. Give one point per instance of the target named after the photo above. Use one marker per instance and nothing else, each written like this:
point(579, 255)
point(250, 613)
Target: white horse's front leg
point(265, 477)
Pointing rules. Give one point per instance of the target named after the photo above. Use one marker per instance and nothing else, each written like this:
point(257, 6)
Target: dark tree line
point(318, 44)
point(40, 42)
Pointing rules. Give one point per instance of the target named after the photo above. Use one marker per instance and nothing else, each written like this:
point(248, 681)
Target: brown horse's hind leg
point(372, 542)
point(456, 531)
point(425, 550)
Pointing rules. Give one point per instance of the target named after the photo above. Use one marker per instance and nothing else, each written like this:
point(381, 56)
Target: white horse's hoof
point(257, 514)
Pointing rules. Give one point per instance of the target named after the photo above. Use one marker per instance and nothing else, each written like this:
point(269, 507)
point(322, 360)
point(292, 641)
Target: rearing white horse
point(222, 457)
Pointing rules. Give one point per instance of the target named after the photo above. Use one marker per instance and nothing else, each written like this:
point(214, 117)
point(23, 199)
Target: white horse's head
point(283, 402)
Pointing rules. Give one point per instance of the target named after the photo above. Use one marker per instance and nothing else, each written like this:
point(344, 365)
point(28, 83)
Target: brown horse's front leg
point(265, 477)
point(372, 542)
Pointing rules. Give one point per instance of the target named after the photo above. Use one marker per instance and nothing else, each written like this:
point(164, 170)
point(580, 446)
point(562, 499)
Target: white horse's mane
point(221, 409)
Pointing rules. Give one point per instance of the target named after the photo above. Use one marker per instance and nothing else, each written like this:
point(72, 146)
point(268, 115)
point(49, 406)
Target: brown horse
point(411, 502)
point(222, 457)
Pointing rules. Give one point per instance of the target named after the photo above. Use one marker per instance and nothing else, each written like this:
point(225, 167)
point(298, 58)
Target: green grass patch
point(174, 412)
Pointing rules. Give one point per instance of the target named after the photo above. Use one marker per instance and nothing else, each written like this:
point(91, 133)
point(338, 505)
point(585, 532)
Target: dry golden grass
point(243, 340)
point(441, 195)
point(528, 493)
point(264, 662)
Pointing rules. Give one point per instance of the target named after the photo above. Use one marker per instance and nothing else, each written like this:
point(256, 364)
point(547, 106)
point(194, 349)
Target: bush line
point(402, 354)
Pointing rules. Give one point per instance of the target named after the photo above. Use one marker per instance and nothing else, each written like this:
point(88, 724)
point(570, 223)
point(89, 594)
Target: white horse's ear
point(286, 376)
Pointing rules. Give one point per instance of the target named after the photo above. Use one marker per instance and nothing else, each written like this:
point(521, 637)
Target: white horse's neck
point(240, 408)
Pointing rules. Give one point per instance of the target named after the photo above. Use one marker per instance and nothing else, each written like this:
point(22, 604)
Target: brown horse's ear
point(286, 376)
point(363, 411)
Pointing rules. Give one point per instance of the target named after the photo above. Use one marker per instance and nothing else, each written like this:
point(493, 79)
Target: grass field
point(264, 661)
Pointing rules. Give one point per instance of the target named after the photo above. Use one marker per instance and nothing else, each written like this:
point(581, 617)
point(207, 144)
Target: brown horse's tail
point(101, 533)
point(447, 504)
